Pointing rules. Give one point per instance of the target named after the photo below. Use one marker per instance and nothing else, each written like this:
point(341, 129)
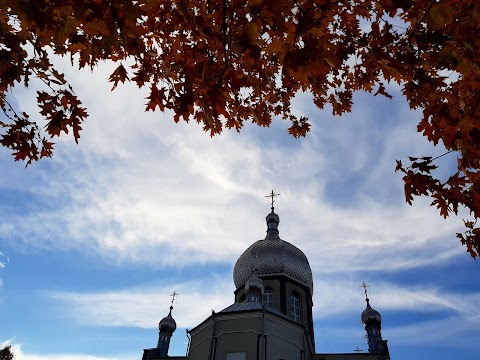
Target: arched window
point(243, 298)
point(267, 298)
point(295, 306)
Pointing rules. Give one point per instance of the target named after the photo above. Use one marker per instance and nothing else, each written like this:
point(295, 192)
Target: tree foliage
point(6, 353)
point(222, 63)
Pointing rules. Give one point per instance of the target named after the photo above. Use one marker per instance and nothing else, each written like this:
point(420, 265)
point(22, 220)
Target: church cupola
point(166, 327)
point(272, 226)
point(282, 278)
point(254, 288)
point(372, 321)
point(273, 256)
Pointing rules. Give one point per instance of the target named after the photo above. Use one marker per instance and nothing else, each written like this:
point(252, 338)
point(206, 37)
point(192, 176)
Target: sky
point(94, 240)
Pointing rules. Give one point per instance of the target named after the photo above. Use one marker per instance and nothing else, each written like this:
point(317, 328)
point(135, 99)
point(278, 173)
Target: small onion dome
point(369, 314)
point(168, 324)
point(254, 283)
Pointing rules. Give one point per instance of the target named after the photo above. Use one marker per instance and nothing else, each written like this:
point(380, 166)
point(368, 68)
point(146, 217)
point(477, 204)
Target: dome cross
point(365, 286)
point(173, 297)
point(272, 195)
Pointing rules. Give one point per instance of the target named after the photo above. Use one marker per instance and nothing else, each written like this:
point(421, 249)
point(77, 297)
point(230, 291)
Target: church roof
point(248, 306)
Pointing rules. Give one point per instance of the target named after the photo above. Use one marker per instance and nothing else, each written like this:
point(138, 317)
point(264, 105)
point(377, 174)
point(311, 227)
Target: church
point(271, 317)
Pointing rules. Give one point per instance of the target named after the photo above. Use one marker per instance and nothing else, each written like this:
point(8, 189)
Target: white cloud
point(446, 333)
point(450, 315)
point(439, 333)
point(336, 295)
point(145, 306)
point(21, 355)
point(137, 189)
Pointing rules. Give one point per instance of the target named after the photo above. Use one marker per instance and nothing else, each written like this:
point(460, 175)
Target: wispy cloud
point(155, 209)
point(439, 333)
point(444, 333)
point(338, 296)
point(456, 315)
point(139, 186)
point(145, 306)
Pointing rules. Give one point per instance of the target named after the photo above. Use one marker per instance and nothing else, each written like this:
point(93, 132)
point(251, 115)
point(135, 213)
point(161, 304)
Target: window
point(243, 298)
point(268, 297)
point(253, 297)
point(295, 306)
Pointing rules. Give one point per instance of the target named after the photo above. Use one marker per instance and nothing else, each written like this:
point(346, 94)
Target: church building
point(271, 317)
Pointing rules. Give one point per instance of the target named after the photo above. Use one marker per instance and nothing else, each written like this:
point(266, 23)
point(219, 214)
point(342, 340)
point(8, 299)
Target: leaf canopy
point(222, 63)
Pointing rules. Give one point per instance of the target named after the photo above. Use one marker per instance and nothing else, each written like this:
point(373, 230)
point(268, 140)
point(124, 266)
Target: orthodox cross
point(272, 195)
point(365, 286)
point(173, 297)
point(357, 350)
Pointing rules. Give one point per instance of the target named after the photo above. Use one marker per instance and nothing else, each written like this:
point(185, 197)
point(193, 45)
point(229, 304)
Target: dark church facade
point(271, 318)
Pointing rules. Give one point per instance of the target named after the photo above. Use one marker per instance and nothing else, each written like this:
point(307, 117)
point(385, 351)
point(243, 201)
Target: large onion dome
point(369, 314)
point(168, 324)
point(273, 256)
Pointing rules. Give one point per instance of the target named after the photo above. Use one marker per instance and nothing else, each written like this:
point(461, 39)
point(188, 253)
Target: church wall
point(234, 342)
point(238, 332)
point(201, 341)
point(250, 332)
point(284, 340)
point(250, 321)
point(279, 349)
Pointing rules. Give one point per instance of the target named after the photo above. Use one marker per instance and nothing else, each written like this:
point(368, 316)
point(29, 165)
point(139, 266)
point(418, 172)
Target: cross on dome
point(365, 286)
point(272, 195)
point(173, 297)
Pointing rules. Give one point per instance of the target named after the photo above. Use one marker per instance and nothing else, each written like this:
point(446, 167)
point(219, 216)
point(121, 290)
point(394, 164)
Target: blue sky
point(94, 240)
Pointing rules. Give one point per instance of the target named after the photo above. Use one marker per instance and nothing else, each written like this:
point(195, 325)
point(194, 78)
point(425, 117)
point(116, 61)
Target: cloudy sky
point(93, 241)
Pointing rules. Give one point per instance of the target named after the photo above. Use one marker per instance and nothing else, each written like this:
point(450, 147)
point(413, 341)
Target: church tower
point(285, 272)
point(372, 321)
point(166, 328)
point(271, 317)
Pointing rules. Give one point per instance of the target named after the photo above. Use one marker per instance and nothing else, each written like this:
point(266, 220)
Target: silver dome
point(370, 314)
point(273, 256)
